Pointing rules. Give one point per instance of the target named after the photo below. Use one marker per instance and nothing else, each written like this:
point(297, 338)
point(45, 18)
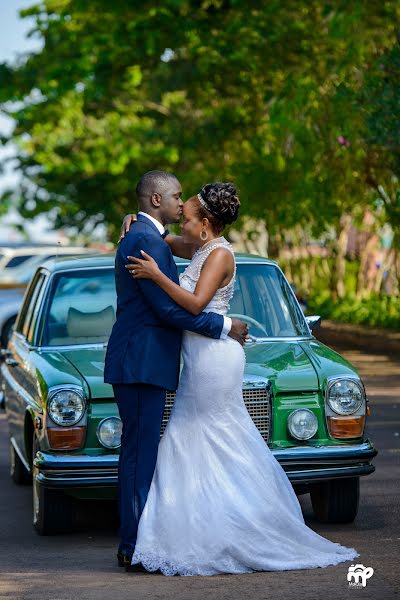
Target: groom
point(143, 352)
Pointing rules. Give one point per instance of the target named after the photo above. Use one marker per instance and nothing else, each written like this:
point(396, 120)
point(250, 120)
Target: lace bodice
point(188, 279)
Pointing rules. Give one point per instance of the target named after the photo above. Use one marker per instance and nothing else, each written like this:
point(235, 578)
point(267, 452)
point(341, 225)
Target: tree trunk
point(339, 248)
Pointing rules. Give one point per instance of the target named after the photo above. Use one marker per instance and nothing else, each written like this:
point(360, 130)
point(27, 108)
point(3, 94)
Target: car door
point(19, 376)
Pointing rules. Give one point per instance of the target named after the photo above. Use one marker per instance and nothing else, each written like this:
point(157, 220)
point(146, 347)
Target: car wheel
point(7, 331)
point(18, 473)
point(53, 511)
point(336, 501)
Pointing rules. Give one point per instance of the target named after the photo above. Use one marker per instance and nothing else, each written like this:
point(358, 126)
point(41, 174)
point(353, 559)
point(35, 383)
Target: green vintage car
point(307, 401)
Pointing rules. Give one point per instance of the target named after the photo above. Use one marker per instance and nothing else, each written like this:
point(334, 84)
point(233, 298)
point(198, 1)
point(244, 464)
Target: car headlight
point(109, 432)
point(302, 424)
point(345, 396)
point(66, 406)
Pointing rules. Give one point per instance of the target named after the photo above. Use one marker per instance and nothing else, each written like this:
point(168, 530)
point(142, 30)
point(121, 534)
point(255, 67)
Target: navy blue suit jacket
point(145, 342)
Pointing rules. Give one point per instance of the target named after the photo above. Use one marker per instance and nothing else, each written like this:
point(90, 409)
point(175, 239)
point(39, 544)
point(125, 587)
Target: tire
point(18, 473)
point(336, 501)
point(53, 511)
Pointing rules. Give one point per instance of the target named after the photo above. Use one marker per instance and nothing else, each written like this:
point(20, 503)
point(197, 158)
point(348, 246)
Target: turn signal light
point(368, 411)
point(346, 427)
point(66, 438)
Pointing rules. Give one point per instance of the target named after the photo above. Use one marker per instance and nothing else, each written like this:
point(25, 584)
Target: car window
point(263, 298)
point(36, 309)
point(81, 308)
point(29, 304)
point(15, 261)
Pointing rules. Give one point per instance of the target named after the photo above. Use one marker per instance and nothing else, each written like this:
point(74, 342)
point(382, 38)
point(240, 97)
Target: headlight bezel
point(290, 417)
point(98, 430)
point(331, 381)
point(76, 389)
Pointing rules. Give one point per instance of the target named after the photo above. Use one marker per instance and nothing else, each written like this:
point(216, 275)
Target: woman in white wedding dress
point(219, 501)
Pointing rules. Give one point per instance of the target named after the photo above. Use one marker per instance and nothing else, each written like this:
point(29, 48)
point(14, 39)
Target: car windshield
point(81, 308)
point(263, 298)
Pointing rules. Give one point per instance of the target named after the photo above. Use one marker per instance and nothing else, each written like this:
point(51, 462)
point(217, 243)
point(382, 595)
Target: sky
point(13, 40)
point(13, 43)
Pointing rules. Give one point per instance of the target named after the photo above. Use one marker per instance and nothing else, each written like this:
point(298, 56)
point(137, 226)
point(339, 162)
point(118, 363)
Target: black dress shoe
point(137, 568)
point(124, 557)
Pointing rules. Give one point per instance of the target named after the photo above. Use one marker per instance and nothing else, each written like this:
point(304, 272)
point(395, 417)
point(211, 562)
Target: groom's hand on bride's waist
point(239, 331)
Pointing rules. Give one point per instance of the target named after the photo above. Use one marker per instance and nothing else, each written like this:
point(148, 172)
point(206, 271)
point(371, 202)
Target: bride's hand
point(126, 224)
point(145, 268)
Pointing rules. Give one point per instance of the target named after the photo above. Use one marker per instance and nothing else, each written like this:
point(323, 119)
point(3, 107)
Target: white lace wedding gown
point(219, 501)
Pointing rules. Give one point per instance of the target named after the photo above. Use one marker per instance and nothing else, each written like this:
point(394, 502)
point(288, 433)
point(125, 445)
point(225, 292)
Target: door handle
point(11, 362)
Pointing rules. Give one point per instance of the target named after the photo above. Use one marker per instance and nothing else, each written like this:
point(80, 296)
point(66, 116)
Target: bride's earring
point(204, 233)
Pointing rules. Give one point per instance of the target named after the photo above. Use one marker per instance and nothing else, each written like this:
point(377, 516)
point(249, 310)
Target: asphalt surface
point(82, 565)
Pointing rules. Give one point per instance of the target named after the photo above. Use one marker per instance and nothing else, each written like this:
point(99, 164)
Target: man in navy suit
point(143, 352)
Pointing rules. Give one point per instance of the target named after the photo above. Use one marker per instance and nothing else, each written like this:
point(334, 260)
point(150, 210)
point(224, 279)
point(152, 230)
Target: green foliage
point(380, 102)
point(375, 310)
point(257, 93)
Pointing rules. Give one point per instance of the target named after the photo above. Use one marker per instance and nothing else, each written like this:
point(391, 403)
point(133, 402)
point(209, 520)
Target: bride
point(219, 501)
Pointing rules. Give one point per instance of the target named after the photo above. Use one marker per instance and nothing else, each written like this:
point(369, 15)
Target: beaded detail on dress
point(190, 276)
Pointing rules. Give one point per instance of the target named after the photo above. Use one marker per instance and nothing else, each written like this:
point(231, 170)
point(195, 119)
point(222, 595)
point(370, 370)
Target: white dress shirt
point(227, 320)
point(159, 225)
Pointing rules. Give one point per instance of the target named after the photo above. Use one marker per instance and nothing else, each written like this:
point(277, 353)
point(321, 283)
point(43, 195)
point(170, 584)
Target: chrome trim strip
point(19, 389)
point(20, 455)
point(259, 260)
point(45, 460)
point(57, 271)
point(71, 347)
point(325, 474)
point(102, 481)
point(358, 451)
point(294, 477)
point(298, 338)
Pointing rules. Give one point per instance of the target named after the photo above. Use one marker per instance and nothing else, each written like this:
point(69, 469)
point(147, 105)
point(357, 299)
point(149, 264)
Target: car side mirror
point(5, 353)
point(314, 322)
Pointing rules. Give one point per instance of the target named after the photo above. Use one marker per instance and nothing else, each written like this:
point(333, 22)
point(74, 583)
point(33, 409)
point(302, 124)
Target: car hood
point(295, 365)
point(89, 362)
point(290, 366)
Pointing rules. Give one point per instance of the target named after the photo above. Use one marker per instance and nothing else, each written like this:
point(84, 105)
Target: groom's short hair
point(153, 182)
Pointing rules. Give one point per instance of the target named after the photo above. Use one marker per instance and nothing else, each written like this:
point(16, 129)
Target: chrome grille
point(257, 401)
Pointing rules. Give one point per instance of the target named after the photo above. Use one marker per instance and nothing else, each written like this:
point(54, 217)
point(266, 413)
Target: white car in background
point(16, 269)
point(17, 265)
point(14, 254)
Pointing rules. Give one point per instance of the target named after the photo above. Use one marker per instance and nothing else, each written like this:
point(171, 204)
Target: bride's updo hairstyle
point(219, 203)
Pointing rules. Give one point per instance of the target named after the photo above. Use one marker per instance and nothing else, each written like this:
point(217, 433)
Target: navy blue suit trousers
point(141, 408)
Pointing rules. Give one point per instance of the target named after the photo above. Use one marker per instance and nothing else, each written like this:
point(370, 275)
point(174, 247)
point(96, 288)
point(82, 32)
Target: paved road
point(82, 565)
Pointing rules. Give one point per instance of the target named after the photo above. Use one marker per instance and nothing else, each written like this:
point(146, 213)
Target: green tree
point(213, 90)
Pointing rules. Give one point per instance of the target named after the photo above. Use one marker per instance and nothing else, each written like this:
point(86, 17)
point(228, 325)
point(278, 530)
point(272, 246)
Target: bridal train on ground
point(219, 501)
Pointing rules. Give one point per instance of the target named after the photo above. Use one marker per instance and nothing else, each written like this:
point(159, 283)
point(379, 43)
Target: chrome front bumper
point(302, 464)
point(308, 464)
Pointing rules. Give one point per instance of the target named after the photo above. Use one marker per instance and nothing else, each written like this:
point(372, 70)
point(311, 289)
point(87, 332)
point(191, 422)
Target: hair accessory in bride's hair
point(206, 206)
point(202, 201)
